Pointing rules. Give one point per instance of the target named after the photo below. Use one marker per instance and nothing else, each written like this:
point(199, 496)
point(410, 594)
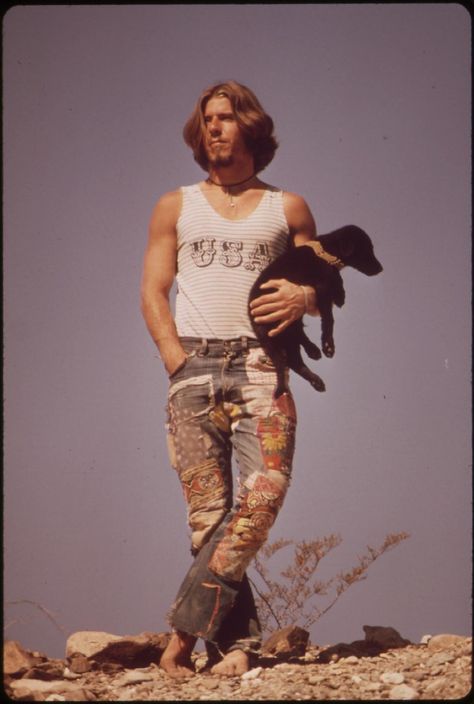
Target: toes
point(231, 666)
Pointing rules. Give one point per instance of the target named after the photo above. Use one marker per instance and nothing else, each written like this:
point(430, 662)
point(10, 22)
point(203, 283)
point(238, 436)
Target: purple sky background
point(372, 110)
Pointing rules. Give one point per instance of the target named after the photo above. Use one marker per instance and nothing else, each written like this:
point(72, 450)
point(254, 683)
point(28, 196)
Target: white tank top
point(219, 260)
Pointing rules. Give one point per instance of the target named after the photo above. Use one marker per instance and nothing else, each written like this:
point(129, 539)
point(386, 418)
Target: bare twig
point(267, 602)
point(43, 609)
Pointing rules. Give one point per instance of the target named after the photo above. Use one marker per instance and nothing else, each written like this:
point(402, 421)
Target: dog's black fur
point(301, 265)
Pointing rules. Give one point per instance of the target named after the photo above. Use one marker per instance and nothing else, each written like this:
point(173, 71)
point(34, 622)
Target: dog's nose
point(376, 269)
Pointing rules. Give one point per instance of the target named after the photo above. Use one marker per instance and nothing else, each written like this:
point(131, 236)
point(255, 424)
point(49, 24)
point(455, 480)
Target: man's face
point(223, 138)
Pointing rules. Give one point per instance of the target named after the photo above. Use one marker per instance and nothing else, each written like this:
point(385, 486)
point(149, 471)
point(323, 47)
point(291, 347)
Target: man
point(215, 237)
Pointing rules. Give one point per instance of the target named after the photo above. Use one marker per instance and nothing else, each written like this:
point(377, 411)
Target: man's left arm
point(290, 301)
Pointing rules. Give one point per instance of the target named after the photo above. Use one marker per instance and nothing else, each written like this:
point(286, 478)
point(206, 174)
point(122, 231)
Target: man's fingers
point(265, 300)
point(274, 297)
point(267, 309)
point(274, 316)
point(273, 283)
point(269, 317)
point(279, 328)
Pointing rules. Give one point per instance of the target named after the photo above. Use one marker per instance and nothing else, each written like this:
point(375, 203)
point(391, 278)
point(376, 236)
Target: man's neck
point(231, 176)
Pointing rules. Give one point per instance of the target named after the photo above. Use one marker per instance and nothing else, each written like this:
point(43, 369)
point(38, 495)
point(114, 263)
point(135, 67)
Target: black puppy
point(316, 264)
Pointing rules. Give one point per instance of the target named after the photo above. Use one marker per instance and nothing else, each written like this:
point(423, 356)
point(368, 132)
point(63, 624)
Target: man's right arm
point(159, 271)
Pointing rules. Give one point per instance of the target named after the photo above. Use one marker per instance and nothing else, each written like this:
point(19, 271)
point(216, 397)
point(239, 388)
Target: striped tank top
point(218, 261)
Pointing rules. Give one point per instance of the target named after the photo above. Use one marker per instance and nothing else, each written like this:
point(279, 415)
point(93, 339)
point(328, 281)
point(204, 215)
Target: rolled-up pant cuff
point(219, 611)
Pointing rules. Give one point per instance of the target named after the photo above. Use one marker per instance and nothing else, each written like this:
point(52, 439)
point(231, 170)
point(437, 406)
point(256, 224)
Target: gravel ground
point(412, 672)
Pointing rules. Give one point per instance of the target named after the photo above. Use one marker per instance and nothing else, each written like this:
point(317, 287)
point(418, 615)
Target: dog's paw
point(317, 383)
point(329, 349)
point(313, 351)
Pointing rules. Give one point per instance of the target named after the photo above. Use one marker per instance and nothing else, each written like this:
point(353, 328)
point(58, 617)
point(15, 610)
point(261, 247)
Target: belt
point(205, 344)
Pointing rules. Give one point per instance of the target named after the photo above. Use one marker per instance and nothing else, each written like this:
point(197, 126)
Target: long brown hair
point(256, 125)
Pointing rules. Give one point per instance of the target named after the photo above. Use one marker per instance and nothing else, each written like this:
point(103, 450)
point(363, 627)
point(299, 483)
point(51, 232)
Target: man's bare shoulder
point(293, 201)
point(170, 200)
point(299, 217)
point(168, 207)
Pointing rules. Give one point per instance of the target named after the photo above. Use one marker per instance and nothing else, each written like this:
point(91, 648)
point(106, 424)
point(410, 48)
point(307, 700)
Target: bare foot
point(233, 664)
point(176, 658)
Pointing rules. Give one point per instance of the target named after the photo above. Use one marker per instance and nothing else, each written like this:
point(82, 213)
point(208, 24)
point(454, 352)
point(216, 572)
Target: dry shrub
point(298, 598)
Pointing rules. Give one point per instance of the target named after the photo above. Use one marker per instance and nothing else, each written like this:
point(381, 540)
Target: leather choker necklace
point(230, 185)
point(227, 186)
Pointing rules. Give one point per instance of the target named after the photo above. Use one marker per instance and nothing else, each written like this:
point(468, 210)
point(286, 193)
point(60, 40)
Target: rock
point(289, 641)
point(88, 643)
point(69, 675)
point(16, 659)
point(440, 659)
point(373, 686)
point(129, 650)
point(211, 683)
point(343, 651)
point(315, 679)
point(392, 677)
point(79, 663)
point(403, 691)
point(251, 674)
point(444, 640)
point(132, 677)
point(39, 690)
point(425, 639)
point(309, 657)
point(50, 669)
point(47, 671)
point(436, 685)
point(111, 668)
point(385, 637)
point(333, 684)
point(351, 660)
point(377, 640)
point(80, 695)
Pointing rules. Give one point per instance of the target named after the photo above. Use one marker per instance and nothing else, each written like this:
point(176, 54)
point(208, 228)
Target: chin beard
point(220, 160)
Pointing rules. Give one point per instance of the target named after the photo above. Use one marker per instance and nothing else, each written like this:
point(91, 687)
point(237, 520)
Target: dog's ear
point(347, 241)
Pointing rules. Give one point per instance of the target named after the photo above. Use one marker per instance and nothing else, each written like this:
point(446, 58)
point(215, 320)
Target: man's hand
point(286, 304)
point(173, 356)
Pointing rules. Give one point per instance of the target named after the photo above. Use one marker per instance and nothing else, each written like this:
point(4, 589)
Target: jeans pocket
point(179, 369)
point(183, 365)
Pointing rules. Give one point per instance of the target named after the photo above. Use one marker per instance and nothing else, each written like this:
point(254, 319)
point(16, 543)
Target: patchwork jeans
point(221, 402)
